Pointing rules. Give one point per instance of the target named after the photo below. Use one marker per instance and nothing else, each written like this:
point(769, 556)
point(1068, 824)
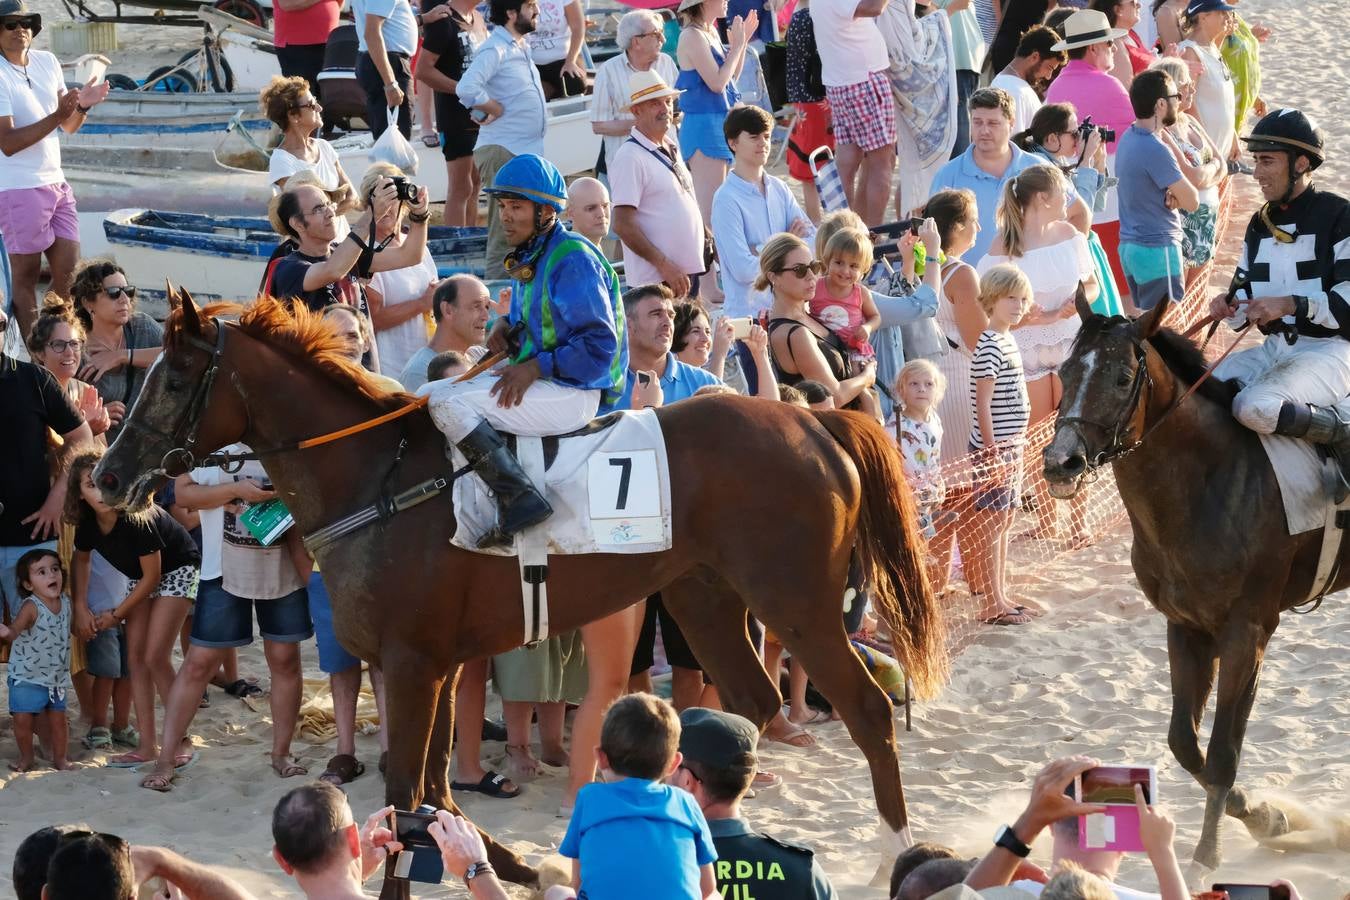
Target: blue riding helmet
point(533, 178)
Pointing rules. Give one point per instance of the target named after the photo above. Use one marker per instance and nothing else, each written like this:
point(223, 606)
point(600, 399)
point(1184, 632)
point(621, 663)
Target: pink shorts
point(864, 113)
point(31, 219)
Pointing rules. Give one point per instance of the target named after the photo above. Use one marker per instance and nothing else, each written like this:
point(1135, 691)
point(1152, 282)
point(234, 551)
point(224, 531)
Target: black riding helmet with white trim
point(1291, 132)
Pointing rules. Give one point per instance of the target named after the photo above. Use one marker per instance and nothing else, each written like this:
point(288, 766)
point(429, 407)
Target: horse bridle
point(1119, 430)
point(183, 438)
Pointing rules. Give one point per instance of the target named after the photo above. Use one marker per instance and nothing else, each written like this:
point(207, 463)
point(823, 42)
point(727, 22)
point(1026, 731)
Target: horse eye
point(1123, 379)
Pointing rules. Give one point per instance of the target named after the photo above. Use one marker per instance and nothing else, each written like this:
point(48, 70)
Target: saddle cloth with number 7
point(608, 483)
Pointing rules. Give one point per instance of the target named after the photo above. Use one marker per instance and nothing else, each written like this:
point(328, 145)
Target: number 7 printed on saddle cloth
point(624, 489)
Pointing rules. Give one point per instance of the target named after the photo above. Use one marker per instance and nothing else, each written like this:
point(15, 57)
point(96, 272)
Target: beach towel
point(923, 78)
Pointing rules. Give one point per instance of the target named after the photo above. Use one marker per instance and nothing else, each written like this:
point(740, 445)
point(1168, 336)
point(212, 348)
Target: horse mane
point(301, 334)
point(1184, 358)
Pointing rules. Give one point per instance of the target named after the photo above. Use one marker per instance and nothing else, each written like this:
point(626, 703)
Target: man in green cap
point(718, 764)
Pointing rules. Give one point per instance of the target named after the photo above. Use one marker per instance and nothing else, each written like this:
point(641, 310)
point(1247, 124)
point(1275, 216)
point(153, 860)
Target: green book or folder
point(267, 520)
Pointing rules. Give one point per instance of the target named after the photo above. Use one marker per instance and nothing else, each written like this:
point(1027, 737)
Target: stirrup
point(1335, 483)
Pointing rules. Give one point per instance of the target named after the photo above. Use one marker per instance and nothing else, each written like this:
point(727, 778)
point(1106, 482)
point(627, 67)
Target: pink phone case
point(1116, 829)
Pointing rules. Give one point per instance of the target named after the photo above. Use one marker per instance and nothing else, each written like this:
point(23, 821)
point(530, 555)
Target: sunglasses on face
point(63, 346)
point(801, 269)
point(313, 104)
point(29, 24)
point(117, 291)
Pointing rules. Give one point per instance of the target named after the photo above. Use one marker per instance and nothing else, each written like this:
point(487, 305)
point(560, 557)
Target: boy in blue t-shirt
point(631, 835)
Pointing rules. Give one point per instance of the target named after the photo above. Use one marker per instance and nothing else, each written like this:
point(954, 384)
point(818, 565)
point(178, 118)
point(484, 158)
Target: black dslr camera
point(1086, 128)
point(404, 190)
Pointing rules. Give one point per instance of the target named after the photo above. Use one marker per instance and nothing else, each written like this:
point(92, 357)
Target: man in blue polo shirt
point(990, 160)
point(657, 378)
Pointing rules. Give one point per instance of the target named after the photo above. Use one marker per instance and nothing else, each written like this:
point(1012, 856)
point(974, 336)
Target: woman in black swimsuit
point(800, 346)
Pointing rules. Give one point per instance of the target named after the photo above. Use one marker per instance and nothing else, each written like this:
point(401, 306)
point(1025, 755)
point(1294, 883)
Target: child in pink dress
point(841, 303)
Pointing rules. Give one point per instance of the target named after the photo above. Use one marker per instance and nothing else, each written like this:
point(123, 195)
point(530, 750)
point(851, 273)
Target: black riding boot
point(519, 503)
point(1320, 425)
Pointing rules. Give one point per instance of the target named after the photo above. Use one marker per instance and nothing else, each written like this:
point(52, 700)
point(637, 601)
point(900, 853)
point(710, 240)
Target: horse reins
point(181, 452)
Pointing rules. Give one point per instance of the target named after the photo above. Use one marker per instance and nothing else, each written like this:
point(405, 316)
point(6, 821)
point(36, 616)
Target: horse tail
point(891, 549)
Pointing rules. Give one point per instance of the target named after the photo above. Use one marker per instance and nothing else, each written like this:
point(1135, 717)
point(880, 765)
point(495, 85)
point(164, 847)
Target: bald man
point(588, 209)
point(460, 307)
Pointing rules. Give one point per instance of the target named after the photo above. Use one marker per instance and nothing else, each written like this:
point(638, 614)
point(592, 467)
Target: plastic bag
point(393, 148)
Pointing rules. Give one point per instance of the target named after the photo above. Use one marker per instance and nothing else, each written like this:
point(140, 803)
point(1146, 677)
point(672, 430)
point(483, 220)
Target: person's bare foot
point(521, 764)
point(1081, 539)
point(23, 765)
point(1031, 608)
point(62, 765)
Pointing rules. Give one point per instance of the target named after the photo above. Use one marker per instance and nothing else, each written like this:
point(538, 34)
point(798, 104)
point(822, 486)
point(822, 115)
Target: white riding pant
point(1311, 370)
point(547, 407)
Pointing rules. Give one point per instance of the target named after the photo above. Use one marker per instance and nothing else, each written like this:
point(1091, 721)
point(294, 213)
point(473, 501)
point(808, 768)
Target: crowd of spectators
point(950, 330)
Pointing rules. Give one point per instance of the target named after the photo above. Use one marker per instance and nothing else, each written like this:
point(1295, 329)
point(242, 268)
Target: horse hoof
point(1197, 875)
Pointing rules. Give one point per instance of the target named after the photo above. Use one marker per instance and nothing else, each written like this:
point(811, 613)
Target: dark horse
point(1211, 549)
point(768, 503)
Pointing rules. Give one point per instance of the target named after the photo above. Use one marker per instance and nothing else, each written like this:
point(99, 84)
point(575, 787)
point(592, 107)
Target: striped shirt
point(997, 357)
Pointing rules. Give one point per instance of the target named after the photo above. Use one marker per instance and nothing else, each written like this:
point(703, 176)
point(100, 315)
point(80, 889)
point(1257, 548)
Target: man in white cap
point(1087, 83)
point(653, 194)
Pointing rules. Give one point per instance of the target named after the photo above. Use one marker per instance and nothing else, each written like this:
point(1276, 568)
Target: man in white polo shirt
point(853, 66)
point(653, 195)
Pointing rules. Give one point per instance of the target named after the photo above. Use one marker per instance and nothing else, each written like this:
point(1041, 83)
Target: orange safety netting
point(1041, 529)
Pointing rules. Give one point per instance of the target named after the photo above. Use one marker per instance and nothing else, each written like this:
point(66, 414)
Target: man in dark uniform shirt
point(718, 763)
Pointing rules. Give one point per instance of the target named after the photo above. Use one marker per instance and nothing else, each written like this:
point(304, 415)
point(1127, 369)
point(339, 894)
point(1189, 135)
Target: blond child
point(841, 302)
point(1001, 411)
point(918, 433)
point(39, 664)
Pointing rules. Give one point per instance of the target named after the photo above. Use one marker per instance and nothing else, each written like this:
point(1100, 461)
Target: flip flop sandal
point(343, 769)
point(127, 761)
point(184, 761)
point(157, 782)
point(288, 767)
point(205, 702)
point(98, 738)
point(1007, 618)
point(491, 785)
point(431, 140)
point(127, 737)
point(797, 737)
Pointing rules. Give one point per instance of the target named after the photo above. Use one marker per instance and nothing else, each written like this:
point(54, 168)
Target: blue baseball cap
point(1195, 7)
point(533, 178)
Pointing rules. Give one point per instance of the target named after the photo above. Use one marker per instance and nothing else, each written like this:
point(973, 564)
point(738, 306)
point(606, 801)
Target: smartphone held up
point(1117, 827)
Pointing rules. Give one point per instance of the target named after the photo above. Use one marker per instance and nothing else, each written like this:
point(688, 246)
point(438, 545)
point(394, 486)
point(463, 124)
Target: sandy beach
point(1090, 677)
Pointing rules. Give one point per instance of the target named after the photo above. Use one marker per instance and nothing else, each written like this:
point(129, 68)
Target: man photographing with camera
point(320, 272)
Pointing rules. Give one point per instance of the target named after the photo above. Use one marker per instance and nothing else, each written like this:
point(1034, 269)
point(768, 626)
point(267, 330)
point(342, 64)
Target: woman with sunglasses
point(289, 104)
point(37, 207)
point(802, 347)
point(121, 344)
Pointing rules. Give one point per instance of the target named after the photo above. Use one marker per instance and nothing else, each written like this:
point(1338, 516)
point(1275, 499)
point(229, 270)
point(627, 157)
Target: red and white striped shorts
point(864, 113)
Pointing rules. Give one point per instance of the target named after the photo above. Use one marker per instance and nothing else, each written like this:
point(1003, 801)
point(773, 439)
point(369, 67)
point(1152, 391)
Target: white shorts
point(547, 407)
point(1311, 370)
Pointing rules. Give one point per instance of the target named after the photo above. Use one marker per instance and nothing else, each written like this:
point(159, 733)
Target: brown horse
point(1211, 549)
point(768, 503)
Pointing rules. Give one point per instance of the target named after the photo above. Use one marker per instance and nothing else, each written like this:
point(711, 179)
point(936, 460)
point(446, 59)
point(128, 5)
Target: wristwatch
point(1008, 840)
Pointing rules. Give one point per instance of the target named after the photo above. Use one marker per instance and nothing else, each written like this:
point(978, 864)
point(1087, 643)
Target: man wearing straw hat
point(1086, 82)
point(653, 194)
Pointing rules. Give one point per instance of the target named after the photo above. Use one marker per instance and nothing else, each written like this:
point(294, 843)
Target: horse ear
point(192, 321)
point(1080, 303)
point(1150, 322)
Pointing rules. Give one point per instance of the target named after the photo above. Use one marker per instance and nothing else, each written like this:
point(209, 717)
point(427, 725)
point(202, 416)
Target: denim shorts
point(106, 655)
point(31, 699)
point(333, 657)
point(220, 619)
